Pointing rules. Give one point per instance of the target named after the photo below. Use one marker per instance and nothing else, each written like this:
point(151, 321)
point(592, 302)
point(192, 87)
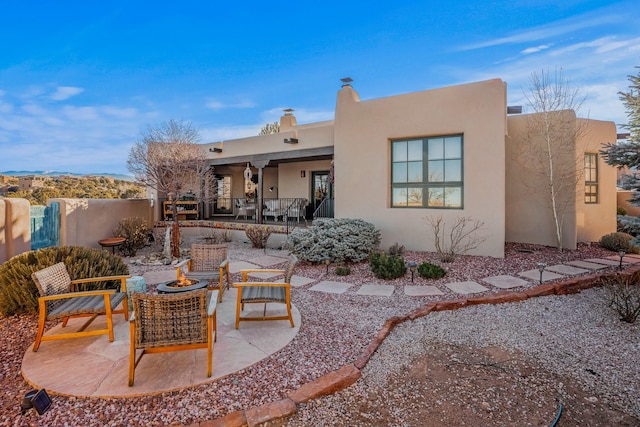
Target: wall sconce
point(274, 189)
point(541, 267)
point(215, 150)
point(412, 266)
point(621, 254)
point(291, 140)
point(303, 174)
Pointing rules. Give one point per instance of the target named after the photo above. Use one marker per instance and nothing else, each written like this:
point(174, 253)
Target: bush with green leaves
point(18, 292)
point(343, 270)
point(622, 293)
point(431, 271)
point(387, 267)
point(617, 241)
point(339, 239)
point(135, 231)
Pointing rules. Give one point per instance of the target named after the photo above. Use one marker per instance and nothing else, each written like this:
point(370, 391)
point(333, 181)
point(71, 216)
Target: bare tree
point(461, 238)
point(270, 128)
point(167, 159)
point(548, 152)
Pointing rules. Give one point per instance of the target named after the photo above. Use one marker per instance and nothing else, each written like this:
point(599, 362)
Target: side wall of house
point(597, 219)
point(15, 227)
point(363, 131)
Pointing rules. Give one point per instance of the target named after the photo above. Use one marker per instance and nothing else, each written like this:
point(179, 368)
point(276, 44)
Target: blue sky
point(79, 81)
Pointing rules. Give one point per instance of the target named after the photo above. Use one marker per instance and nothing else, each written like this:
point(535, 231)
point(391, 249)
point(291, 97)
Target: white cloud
point(65, 92)
point(535, 49)
point(214, 104)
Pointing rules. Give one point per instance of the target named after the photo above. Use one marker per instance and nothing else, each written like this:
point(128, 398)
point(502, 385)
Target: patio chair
point(244, 209)
point(172, 322)
point(207, 262)
point(60, 300)
point(265, 292)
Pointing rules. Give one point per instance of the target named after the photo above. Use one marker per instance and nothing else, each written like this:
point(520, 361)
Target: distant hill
point(55, 173)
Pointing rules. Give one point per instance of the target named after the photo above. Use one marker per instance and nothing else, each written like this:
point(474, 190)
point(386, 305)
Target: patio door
point(223, 203)
point(322, 193)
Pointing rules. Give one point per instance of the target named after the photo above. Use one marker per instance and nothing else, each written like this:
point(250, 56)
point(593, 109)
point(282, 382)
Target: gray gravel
point(567, 335)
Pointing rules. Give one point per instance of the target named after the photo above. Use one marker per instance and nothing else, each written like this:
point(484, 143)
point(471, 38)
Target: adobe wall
point(623, 197)
point(363, 131)
point(85, 221)
point(15, 227)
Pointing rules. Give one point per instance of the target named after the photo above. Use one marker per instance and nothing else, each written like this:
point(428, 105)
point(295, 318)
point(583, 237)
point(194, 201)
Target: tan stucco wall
point(15, 227)
point(598, 219)
point(294, 185)
point(85, 221)
point(623, 197)
point(528, 209)
point(363, 131)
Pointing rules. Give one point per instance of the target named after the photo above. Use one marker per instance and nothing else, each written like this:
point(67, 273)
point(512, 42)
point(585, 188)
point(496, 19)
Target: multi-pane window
point(590, 178)
point(427, 172)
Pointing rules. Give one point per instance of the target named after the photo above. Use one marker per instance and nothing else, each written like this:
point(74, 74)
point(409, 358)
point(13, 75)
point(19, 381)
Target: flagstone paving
point(235, 266)
point(604, 261)
point(422, 291)
point(535, 275)
point(567, 269)
point(587, 265)
point(269, 260)
point(505, 281)
point(331, 287)
point(466, 287)
point(376, 290)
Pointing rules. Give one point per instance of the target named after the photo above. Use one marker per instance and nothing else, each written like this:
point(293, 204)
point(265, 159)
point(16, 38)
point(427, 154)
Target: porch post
point(260, 165)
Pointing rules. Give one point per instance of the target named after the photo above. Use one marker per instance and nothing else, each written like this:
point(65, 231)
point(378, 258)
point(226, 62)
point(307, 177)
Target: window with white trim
point(427, 172)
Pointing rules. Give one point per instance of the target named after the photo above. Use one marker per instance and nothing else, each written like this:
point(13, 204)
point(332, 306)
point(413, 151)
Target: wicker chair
point(60, 300)
point(172, 322)
point(207, 262)
point(265, 292)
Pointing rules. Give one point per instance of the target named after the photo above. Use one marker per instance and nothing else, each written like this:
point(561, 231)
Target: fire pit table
point(174, 286)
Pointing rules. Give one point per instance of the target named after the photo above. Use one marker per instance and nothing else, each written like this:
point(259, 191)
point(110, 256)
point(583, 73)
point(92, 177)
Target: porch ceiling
point(322, 153)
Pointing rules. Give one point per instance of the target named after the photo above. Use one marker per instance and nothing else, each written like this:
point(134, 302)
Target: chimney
point(288, 121)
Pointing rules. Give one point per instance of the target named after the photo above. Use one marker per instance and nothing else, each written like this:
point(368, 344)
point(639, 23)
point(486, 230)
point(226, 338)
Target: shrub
point(341, 239)
point(622, 293)
point(18, 292)
point(136, 232)
point(342, 270)
point(431, 271)
point(219, 236)
point(617, 241)
point(259, 234)
point(621, 210)
point(387, 266)
point(396, 249)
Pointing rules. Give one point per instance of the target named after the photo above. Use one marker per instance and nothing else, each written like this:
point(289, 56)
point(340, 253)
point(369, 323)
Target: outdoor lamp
point(541, 267)
point(621, 254)
point(327, 261)
point(412, 266)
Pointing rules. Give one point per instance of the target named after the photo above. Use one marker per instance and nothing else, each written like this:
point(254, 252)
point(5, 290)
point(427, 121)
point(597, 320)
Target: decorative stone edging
point(239, 226)
point(347, 375)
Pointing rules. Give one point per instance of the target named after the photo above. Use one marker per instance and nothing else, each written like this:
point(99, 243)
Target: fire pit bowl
point(174, 286)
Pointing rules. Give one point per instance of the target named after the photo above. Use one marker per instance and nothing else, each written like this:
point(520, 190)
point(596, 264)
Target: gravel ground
point(575, 341)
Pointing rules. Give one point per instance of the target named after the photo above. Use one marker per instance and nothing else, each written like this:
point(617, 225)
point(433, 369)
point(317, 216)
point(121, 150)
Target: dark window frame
point(591, 189)
point(426, 184)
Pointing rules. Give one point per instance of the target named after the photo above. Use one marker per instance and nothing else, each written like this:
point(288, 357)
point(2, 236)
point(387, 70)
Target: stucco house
point(450, 152)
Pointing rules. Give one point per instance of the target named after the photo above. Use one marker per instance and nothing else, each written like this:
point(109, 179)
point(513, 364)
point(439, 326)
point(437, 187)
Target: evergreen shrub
point(617, 241)
point(18, 292)
point(342, 270)
point(340, 239)
point(387, 266)
point(431, 271)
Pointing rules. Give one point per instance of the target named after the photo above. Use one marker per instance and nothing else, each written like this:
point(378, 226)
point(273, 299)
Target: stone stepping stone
point(535, 275)
point(376, 290)
point(268, 260)
point(505, 281)
point(331, 287)
point(625, 259)
point(235, 266)
point(586, 264)
point(604, 261)
point(466, 287)
point(422, 291)
point(159, 276)
point(566, 269)
point(298, 281)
